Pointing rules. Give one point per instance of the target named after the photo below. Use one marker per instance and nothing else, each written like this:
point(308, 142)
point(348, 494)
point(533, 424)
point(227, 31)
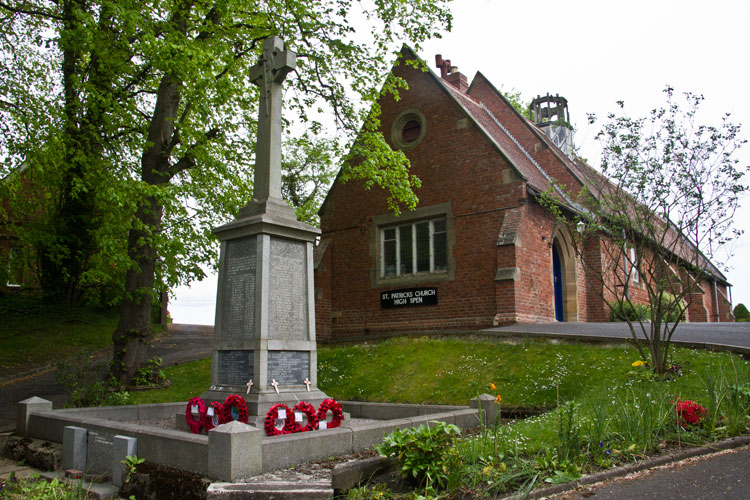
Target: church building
point(479, 250)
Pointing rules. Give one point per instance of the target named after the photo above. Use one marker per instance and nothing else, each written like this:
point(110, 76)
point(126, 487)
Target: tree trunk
point(133, 334)
point(132, 338)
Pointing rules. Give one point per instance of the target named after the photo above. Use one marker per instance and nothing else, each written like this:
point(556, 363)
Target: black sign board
point(409, 297)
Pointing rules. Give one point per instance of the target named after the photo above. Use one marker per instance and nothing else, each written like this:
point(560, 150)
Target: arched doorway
point(564, 276)
point(557, 279)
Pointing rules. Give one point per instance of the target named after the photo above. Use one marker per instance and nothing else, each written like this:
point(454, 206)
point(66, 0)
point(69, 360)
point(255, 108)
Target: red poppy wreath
point(234, 408)
point(312, 417)
point(195, 420)
point(335, 408)
point(272, 417)
point(213, 416)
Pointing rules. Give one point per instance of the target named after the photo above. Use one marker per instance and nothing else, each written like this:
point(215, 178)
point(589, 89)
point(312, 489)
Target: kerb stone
point(74, 448)
point(234, 451)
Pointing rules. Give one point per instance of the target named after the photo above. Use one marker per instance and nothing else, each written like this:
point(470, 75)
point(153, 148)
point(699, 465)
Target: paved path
point(724, 476)
point(183, 343)
point(732, 334)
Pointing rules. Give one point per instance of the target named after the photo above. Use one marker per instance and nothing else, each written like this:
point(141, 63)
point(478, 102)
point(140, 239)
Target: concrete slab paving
point(8, 467)
point(731, 334)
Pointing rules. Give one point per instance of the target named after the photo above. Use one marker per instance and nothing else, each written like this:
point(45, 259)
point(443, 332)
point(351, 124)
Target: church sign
point(409, 297)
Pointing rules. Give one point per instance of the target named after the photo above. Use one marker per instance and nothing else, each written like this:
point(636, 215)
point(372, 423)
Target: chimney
point(451, 74)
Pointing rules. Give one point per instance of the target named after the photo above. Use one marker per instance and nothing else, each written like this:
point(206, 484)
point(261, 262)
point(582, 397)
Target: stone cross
point(275, 385)
point(307, 383)
point(249, 385)
point(269, 73)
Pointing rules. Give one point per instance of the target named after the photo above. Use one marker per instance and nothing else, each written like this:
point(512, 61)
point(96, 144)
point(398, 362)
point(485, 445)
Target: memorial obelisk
point(264, 335)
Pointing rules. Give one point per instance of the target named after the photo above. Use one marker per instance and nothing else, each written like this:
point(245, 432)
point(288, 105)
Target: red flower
point(312, 417)
point(214, 420)
point(238, 403)
point(688, 412)
point(273, 415)
point(335, 408)
point(196, 425)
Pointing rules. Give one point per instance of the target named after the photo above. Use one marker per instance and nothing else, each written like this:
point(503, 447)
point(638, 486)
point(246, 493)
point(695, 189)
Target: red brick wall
point(535, 290)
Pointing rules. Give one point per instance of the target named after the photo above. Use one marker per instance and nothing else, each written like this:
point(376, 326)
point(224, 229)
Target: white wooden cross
point(249, 385)
point(275, 385)
point(274, 64)
point(307, 383)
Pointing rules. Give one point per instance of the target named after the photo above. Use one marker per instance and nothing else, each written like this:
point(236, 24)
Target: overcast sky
point(594, 53)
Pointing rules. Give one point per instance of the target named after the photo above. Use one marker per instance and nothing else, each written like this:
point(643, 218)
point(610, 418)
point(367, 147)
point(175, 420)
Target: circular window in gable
point(408, 129)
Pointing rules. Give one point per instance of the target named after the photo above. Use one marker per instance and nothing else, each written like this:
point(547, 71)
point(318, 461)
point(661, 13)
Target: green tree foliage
point(658, 212)
point(135, 123)
point(741, 313)
point(516, 100)
point(308, 168)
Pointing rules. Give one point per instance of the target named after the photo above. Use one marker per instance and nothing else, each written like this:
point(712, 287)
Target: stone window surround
point(14, 273)
point(397, 129)
point(420, 213)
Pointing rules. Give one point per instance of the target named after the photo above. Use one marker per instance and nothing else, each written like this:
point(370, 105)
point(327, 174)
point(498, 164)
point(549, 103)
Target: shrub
point(625, 311)
point(741, 313)
point(150, 374)
point(87, 382)
point(678, 308)
point(421, 452)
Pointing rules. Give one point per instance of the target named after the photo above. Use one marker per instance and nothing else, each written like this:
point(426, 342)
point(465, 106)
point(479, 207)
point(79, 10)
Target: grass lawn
point(36, 334)
point(187, 381)
point(443, 371)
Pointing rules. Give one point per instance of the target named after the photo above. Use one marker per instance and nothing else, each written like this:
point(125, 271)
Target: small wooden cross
point(249, 385)
point(307, 383)
point(275, 385)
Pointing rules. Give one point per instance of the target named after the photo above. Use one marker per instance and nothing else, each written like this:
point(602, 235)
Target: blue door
point(557, 276)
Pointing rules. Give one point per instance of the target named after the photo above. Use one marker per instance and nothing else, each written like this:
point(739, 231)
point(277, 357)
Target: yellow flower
point(493, 386)
point(638, 363)
point(498, 399)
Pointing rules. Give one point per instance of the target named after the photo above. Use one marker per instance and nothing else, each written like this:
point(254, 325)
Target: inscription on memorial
point(99, 452)
point(288, 304)
point(288, 367)
point(238, 292)
point(235, 367)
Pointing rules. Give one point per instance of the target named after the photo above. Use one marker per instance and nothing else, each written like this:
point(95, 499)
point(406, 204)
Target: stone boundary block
point(488, 406)
point(123, 447)
point(74, 448)
point(24, 410)
point(235, 451)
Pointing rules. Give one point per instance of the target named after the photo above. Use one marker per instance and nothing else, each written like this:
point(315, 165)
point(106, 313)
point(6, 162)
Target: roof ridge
point(552, 182)
point(462, 95)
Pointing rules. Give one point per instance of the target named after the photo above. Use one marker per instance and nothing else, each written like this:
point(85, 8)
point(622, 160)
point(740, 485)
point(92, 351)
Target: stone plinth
point(265, 315)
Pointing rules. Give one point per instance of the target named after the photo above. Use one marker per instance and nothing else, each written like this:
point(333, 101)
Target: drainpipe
point(716, 297)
